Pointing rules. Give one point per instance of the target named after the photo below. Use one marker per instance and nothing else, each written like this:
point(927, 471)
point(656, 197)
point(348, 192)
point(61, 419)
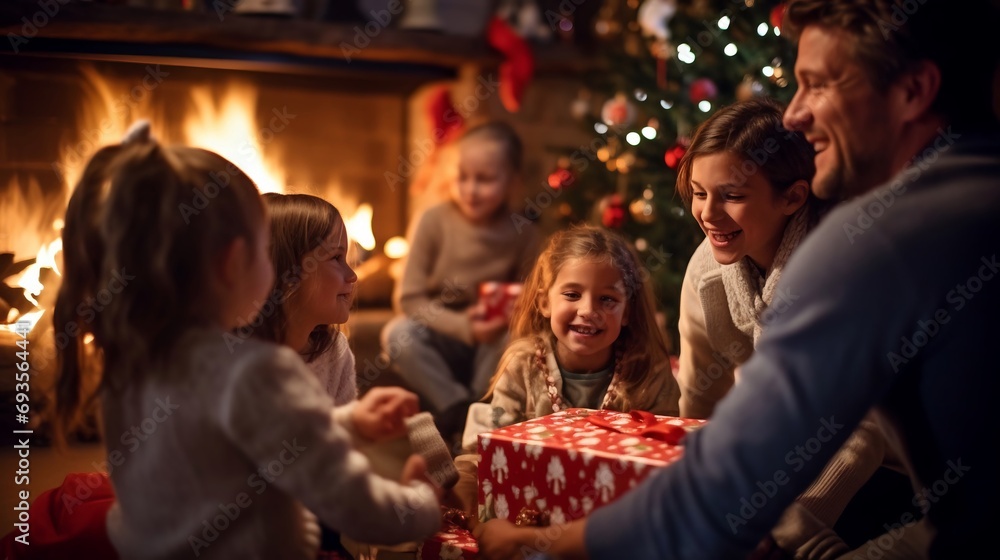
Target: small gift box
point(498, 298)
point(564, 465)
point(453, 542)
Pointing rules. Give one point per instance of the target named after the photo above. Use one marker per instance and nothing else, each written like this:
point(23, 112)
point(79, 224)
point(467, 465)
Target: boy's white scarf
point(747, 292)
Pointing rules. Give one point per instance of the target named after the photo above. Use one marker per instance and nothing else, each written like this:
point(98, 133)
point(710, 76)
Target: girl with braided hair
point(584, 335)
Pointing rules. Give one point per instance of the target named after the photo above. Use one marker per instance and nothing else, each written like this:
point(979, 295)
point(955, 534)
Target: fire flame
point(227, 128)
point(29, 278)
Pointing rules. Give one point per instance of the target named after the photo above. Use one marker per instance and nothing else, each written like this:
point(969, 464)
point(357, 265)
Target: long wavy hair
point(642, 344)
point(300, 223)
point(144, 228)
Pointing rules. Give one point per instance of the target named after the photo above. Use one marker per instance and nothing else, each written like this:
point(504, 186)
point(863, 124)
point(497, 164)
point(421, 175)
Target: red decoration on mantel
point(518, 65)
point(447, 121)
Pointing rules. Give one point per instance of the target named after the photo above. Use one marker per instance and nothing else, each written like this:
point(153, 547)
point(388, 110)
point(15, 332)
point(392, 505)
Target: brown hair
point(753, 131)
point(145, 224)
point(299, 224)
point(889, 36)
point(506, 136)
point(642, 344)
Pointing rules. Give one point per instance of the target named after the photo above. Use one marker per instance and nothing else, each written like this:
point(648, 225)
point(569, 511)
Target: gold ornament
point(642, 209)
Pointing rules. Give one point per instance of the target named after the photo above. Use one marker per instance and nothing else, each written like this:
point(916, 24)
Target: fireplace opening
point(324, 135)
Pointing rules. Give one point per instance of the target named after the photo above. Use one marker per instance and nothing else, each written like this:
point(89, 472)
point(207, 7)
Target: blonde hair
point(299, 224)
point(642, 345)
point(152, 221)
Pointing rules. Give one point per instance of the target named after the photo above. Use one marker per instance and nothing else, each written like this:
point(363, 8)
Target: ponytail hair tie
point(137, 133)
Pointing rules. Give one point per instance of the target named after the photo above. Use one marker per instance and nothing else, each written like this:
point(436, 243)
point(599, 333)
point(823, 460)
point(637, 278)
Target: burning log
point(12, 297)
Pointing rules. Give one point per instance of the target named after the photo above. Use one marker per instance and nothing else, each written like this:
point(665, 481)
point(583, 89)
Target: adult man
point(896, 296)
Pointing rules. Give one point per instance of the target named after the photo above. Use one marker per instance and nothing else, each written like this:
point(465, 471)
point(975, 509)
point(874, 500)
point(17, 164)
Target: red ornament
point(613, 215)
point(777, 15)
point(561, 178)
point(702, 89)
point(617, 111)
point(674, 155)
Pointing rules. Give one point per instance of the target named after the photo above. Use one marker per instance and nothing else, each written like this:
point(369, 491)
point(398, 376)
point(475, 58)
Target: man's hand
point(502, 540)
point(381, 414)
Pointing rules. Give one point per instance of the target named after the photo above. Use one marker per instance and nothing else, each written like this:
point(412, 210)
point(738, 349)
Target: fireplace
point(279, 100)
point(316, 132)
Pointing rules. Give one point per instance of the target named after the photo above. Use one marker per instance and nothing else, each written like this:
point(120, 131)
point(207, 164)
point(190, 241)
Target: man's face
point(852, 126)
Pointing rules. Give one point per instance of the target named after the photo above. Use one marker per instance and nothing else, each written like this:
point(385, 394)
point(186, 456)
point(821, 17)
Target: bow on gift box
point(650, 427)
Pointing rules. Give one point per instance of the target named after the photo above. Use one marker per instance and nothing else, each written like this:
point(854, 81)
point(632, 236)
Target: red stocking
point(518, 65)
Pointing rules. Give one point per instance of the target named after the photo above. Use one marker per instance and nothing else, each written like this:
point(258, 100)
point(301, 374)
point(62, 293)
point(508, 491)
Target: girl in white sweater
point(314, 287)
point(746, 180)
point(219, 445)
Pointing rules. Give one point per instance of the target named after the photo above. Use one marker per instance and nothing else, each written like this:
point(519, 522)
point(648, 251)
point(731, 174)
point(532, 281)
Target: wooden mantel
point(80, 29)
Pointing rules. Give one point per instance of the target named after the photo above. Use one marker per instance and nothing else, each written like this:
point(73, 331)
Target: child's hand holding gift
point(381, 414)
point(416, 469)
point(486, 328)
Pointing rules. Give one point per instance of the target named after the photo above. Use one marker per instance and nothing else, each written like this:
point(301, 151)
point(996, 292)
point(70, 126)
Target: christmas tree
point(665, 66)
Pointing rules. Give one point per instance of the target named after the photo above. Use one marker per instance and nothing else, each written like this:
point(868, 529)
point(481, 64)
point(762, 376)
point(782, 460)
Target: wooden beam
point(26, 20)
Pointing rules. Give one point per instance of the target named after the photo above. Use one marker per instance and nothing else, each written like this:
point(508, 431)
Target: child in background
point(584, 334)
point(443, 346)
point(313, 289)
point(218, 447)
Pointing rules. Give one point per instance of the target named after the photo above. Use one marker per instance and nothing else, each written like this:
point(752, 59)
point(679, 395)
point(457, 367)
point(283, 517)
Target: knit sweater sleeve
point(665, 392)
point(343, 385)
point(412, 297)
point(846, 473)
point(334, 369)
point(510, 393)
point(703, 379)
point(272, 408)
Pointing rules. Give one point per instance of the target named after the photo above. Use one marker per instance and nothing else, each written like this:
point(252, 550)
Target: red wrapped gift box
point(566, 464)
point(452, 543)
point(498, 298)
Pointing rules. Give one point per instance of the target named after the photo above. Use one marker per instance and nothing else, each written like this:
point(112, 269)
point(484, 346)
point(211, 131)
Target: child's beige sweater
point(521, 393)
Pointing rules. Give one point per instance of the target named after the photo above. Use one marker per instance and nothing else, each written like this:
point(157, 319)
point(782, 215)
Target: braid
point(615, 379)
point(557, 401)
